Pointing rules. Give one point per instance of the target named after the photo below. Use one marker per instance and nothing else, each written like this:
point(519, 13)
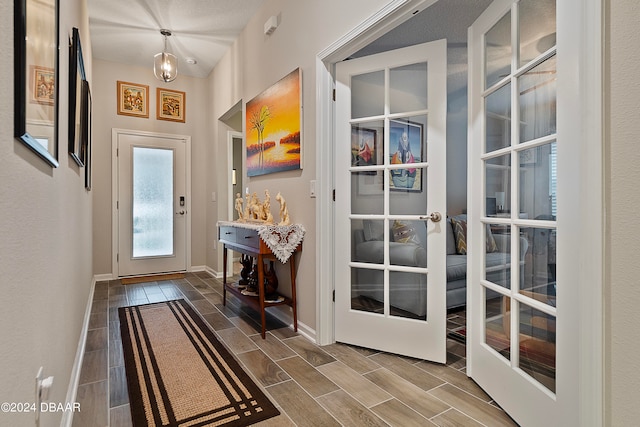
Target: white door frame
point(231, 135)
point(585, 119)
point(115, 132)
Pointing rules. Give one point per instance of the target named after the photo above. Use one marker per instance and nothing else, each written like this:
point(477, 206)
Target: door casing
point(584, 118)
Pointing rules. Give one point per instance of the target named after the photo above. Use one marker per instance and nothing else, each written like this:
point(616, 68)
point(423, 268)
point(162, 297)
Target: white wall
point(253, 64)
point(105, 115)
point(622, 179)
point(46, 240)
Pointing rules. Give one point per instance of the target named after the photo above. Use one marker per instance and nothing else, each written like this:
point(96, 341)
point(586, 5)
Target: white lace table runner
point(282, 239)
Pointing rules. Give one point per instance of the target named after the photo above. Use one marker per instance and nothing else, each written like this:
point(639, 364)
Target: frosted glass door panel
point(152, 202)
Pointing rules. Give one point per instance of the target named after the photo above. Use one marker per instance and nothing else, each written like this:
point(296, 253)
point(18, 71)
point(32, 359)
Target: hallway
point(311, 385)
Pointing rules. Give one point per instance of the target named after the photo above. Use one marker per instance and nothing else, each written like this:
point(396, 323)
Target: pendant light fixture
point(165, 64)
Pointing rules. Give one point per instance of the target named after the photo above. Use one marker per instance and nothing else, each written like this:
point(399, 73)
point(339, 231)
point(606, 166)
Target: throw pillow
point(492, 246)
point(404, 232)
point(460, 233)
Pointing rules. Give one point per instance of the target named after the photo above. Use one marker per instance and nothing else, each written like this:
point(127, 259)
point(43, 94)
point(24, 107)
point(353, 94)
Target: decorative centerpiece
point(252, 210)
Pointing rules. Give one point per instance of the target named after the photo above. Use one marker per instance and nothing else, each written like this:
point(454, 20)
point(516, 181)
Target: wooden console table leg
point(224, 275)
point(261, 294)
point(293, 292)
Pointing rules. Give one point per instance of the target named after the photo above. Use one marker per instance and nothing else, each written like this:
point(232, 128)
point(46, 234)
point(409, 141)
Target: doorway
point(152, 201)
point(576, 118)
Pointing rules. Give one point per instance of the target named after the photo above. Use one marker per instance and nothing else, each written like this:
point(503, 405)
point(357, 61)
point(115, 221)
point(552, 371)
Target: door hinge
point(334, 295)
point(117, 152)
point(117, 205)
point(334, 194)
point(117, 257)
point(334, 94)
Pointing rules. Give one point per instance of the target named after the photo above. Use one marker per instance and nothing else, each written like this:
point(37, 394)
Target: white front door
point(391, 201)
point(152, 203)
point(520, 347)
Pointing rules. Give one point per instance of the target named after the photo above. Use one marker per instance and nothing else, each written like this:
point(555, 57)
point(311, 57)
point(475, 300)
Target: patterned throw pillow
point(403, 232)
point(460, 233)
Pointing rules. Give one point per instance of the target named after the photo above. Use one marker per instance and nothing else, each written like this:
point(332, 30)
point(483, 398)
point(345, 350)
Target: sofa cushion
point(373, 229)
point(456, 267)
point(451, 240)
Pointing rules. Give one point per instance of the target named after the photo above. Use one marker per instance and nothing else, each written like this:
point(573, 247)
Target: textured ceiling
point(128, 31)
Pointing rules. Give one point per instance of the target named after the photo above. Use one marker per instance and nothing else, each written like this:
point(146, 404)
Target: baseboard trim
point(74, 380)
point(102, 277)
point(215, 274)
point(287, 318)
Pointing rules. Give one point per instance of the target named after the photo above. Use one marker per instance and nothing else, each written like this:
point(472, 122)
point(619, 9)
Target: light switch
point(312, 188)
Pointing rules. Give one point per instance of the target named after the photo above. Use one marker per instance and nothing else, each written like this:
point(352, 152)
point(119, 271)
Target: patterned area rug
point(179, 374)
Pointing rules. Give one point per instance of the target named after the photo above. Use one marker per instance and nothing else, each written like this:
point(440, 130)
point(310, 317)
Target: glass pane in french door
point(367, 290)
point(498, 51)
point(498, 119)
point(153, 178)
point(537, 353)
point(367, 94)
point(537, 90)
point(537, 28)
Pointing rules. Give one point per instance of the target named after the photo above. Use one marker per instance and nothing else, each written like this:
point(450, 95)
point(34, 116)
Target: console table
point(281, 243)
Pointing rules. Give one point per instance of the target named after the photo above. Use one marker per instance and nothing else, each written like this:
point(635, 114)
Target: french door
point(519, 350)
point(390, 284)
point(152, 203)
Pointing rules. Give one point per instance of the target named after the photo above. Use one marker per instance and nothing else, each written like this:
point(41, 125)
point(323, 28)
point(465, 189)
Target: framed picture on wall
point(364, 146)
point(133, 99)
point(273, 122)
point(170, 105)
point(405, 148)
point(43, 85)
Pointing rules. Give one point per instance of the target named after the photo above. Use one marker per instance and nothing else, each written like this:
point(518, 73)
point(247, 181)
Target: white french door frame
point(580, 28)
point(115, 132)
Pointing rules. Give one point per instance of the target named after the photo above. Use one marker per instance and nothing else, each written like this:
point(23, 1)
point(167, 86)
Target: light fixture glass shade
point(165, 66)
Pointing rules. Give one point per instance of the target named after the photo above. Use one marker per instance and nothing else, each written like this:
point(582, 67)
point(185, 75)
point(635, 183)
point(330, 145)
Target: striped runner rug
point(179, 374)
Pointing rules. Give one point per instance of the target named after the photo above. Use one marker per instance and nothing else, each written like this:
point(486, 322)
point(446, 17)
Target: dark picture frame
point(86, 132)
point(76, 77)
point(364, 147)
point(405, 178)
point(36, 103)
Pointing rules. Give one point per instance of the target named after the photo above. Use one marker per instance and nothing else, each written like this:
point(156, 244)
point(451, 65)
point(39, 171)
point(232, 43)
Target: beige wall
point(253, 64)
point(622, 180)
point(45, 241)
point(105, 115)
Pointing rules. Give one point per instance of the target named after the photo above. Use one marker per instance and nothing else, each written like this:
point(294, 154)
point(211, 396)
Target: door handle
point(182, 212)
point(433, 216)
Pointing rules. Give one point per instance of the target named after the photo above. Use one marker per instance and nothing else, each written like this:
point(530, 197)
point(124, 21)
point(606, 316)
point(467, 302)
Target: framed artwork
point(36, 76)
point(43, 85)
point(364, 146)
point(171, 105)
point(133, 99)
point(76, 78)
point(405, 148)
point(86, 132)
point(273, 127)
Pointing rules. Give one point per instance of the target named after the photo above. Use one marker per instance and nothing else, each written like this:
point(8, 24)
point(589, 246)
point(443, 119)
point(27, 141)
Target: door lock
point(182, 212)
point(433, 216)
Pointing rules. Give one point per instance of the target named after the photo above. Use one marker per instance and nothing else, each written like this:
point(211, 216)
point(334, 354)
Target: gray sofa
point(408, 291)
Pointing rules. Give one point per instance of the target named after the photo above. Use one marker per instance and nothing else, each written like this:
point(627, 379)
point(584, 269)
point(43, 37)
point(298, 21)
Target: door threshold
point(151, 278)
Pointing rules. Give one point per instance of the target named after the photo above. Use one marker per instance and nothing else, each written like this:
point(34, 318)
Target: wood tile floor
point(312, 386)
